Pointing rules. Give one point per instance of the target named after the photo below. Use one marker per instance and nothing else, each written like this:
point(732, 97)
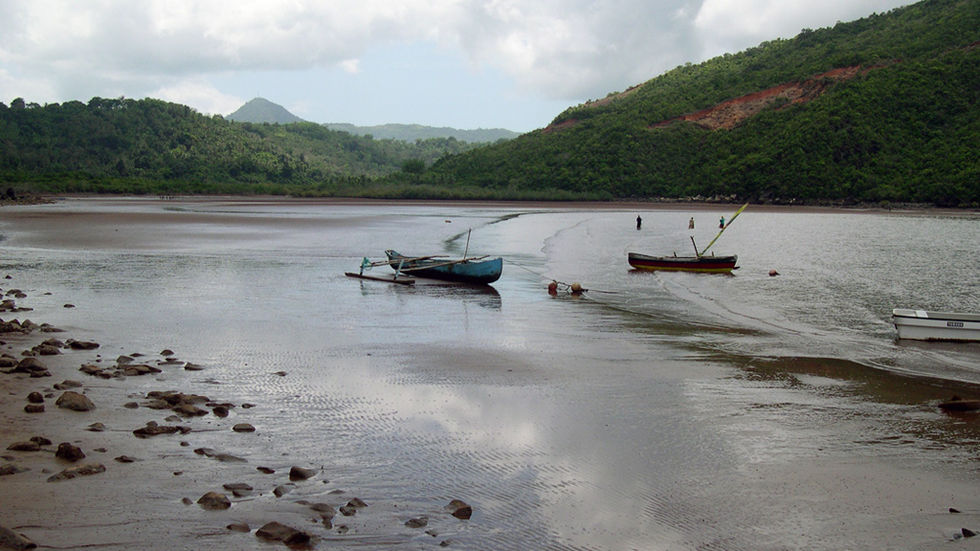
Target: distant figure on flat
point(721, 223)
point(639, 221)
point(690, 223)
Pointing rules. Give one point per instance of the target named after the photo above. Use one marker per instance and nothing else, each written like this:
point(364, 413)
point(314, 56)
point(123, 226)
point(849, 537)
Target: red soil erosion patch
point(730, 113)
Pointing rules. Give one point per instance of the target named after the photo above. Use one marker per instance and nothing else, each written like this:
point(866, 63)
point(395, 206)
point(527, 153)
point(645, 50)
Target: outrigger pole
point(725, 227)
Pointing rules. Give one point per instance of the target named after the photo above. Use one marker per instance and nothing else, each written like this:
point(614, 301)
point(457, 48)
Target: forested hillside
point(903, 126)
point(151, 146)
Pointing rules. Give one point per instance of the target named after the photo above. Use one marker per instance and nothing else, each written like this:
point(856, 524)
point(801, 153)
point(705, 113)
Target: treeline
point(905, 130)
point(151, 146)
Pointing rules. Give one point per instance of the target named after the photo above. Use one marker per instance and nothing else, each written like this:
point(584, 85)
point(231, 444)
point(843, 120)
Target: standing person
point(721, 223)
point(638, 221)
point(690, 223)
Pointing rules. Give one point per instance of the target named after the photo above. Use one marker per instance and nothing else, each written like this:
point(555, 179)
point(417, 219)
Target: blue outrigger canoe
point(478, 269)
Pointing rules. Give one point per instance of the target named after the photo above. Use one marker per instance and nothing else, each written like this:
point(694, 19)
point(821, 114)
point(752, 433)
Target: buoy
point(576, 289)
point(773, 273)
point(553, 288)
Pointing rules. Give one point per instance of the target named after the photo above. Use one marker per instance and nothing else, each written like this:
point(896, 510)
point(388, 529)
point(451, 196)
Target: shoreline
point(573, 205)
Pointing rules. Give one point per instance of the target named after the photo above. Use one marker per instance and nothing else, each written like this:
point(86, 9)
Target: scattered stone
point(220, 411)
point(356, 502)
point(189, 410)
point(35, 398)
point(326, 510)
point(34, 408)
point(153, 429)
point(69, 452)
point(69, 305)
point(12, 540)
point(967, 533)
point(10, 468)
point(419, 522)
point(239, 527)
point(299, 473)
point(348, 511)
point(243, 427)
point(280, 373)
point(75, 401)
point(238, 489)
point(81, 470)
point(276, 531)
point(460, 509)
point(126, 459)
point(46, 350)
point(96, 427)
point(28, 446)
point(214, 501)
point(228, 458)
point(41, 441)
point(265, 470)
point(187, 501)
point(193, 367)
point(131, 405)
point(282, 489)
point(82, 345)
point(33, 366)
point(66, 384)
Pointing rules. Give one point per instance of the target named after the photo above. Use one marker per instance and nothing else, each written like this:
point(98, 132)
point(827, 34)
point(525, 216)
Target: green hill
point(883, 109)
point(260, 110)
point(151, 146)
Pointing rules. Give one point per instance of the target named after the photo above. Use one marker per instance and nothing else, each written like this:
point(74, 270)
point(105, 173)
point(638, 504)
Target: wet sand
point(152, 502)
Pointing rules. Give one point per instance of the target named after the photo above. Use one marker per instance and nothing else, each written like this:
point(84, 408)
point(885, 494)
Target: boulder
point(74, 401)
point(276, 531)
point(243, 427)
point(460, 509)
point(82, 345)
point(238, 489)
point(34, 408)
point(214, 501)
point(81, 470)
point(12, 540)
point(69, 452)
point(35, 398)
point(31, 364)
point(299, 473)
point(27, 446)
point(419, 522)
point(8, 469)
point(153, 429)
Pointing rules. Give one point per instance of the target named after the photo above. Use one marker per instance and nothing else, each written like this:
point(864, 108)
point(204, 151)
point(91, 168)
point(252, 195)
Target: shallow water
point(658, 411)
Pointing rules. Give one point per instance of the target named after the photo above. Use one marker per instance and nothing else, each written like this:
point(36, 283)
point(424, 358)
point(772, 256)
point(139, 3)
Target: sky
point(466, 64)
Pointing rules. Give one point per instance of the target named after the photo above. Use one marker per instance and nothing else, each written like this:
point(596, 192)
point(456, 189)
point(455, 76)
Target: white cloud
point(198, 93)
point(351, 65)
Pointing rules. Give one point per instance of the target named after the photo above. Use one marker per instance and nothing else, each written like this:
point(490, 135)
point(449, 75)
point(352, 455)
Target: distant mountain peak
point(260, 110)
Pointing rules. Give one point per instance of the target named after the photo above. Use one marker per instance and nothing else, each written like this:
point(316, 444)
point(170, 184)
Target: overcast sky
point(467, 64)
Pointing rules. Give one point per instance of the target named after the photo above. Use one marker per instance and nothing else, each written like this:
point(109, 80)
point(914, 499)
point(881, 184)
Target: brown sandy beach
point(149, 490)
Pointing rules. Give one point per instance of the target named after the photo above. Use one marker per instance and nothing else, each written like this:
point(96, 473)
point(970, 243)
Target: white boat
point(936, 326)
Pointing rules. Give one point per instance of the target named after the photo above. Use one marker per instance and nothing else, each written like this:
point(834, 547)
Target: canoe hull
point(478, 272)
point(923, 325)
point(705, 264)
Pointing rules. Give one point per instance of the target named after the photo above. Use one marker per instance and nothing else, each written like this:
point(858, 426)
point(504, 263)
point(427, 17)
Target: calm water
point(659, 411)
